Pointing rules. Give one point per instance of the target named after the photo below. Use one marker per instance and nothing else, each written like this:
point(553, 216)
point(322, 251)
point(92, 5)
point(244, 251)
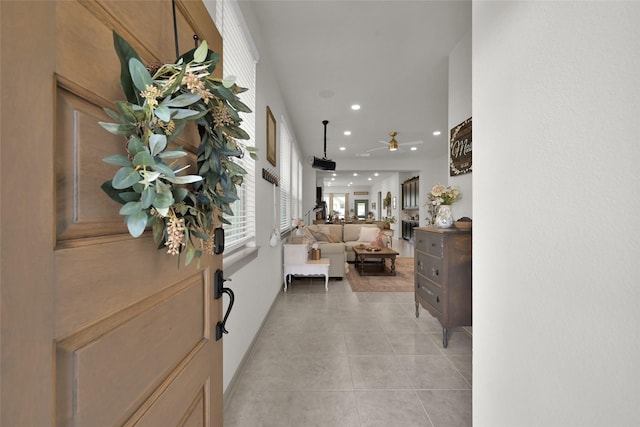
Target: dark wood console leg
point(445, 338)
point(417, 309)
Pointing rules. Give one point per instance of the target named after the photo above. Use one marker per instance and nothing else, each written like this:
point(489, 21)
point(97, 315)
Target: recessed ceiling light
point(333, 179)
point(355, 107)
point(414, 148)
point(343, 148)
point(375, 174)
point(369, 179)
point(335, 174)
point(347, 132)
point(436, 133)
point(355, 174)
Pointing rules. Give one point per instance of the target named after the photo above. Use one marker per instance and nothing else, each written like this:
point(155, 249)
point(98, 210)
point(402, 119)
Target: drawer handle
point(420, 265)
point(434, 271)
point(429, 291)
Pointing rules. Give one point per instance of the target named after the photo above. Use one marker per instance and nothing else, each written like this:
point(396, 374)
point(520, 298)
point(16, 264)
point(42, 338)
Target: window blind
point(240, 58)
point(285, 178)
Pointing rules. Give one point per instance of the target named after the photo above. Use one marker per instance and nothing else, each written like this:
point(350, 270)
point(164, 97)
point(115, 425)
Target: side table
point(319, 267)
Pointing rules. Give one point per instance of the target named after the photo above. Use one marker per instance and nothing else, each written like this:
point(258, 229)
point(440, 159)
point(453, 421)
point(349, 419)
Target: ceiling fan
point(393, 145)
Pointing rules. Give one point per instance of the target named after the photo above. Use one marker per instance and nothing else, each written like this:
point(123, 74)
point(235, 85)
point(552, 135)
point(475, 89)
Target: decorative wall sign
point(271, 137)
point(460, 149)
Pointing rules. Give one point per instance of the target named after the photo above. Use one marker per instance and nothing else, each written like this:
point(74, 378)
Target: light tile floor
point(341, 358)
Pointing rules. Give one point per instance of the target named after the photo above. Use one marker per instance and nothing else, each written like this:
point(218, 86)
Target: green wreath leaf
point(171, 154)
point(118, 159)
point(148, 196)
point(163, 200)
point(143, 158)
point(182, 100)
point(136, 223)
point(163, 113)
point(118, 129)
point(164, 169)
point(186, 179)
point(201, 52)
point(135, 145)
point(131, 208)
point(157, 143)
point(125, 178)
point(139, 74)
point(107, 187)
point(126, 52)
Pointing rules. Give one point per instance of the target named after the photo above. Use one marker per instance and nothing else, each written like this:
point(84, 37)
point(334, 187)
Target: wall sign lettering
point(460, 149)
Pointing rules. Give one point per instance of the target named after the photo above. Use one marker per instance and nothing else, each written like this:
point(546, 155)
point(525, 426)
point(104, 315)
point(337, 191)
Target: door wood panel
point(97, 327)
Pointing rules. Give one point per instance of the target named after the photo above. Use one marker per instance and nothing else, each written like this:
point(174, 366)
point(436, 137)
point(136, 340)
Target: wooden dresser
point(443, 275)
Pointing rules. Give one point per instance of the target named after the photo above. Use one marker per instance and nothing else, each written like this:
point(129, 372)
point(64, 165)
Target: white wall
point(556, 182)
point(257, 283)
point(434, 171)
point(389, 184)
point(459, 111)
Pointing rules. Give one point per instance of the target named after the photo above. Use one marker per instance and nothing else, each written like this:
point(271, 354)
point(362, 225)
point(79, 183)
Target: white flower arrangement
point(441, 195)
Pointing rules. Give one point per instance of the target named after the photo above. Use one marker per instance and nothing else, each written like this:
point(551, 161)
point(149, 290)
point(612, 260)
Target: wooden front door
point(98, 328)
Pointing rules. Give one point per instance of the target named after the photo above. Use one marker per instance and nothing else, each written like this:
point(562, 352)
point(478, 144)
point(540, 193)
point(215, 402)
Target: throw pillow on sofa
point(325, 229)
point(324, 237)
point(308, 235)
point(368, 234)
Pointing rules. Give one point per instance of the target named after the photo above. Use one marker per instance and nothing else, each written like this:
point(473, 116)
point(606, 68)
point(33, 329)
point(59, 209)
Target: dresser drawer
point(432, 243)
point(429, 266)
point(430, 292)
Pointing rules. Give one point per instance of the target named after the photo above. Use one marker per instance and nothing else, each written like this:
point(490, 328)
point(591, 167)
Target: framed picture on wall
point(460, 149)
point(271, 137)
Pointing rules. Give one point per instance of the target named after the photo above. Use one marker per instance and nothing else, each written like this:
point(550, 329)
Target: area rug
point(401, 282)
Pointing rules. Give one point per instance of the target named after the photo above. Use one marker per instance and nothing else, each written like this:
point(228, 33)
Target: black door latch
point(218, 290)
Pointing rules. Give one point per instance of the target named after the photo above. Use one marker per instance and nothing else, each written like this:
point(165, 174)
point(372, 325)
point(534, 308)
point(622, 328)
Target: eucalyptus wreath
point(183, 210)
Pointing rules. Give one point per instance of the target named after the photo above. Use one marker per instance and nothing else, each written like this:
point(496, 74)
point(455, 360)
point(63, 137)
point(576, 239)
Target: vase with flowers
point(440, 200)
point(297, 224)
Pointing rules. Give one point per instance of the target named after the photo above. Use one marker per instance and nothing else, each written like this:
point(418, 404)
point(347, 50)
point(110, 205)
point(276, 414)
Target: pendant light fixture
point(393, 144)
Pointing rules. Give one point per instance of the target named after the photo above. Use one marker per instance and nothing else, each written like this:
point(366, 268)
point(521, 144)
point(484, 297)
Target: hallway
point(341, 358)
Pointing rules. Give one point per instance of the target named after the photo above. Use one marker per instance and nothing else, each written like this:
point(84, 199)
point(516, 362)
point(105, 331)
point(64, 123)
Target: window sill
point(236, 260)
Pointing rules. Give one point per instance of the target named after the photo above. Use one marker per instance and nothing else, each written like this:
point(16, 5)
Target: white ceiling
point(391, 57)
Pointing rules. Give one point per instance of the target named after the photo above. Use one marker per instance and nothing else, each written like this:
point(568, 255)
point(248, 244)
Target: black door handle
point(218, 290)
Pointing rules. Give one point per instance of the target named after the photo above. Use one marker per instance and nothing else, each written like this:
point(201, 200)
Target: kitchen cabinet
point(407, 229)
point(411, 193)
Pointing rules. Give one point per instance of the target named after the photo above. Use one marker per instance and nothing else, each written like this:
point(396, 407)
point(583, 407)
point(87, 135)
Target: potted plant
point(388, 220)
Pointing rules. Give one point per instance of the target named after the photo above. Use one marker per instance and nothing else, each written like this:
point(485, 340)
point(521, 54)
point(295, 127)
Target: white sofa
point(336, 242)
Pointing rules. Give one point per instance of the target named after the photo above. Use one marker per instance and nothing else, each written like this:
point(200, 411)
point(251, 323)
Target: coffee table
point(366, 265)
